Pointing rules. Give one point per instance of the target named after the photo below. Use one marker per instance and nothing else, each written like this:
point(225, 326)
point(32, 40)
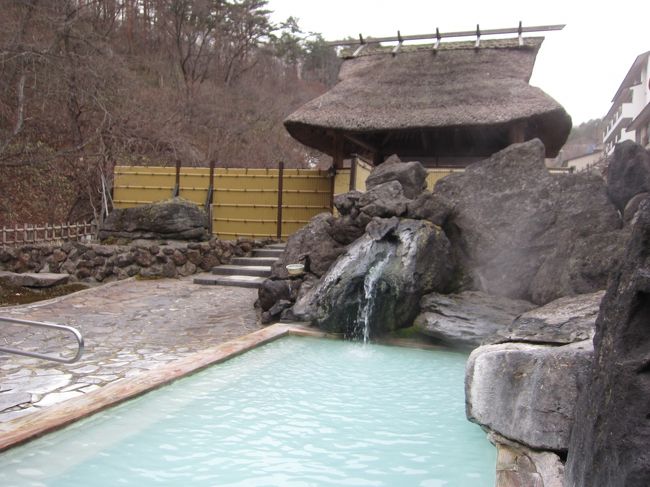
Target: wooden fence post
point(177, 186)
point(209, 197)
point(332, 171)
point(280, 189)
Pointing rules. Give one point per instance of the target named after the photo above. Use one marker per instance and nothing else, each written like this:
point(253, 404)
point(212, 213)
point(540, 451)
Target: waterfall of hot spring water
point(365, 313)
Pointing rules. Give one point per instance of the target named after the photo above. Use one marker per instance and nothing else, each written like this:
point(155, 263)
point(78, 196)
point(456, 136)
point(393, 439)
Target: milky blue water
point(296, 412)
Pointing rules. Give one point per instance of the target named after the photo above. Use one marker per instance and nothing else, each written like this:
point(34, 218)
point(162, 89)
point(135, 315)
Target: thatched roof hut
point(452, 105)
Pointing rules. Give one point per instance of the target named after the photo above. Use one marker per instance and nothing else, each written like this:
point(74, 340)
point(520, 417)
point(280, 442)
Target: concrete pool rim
point(24, 429)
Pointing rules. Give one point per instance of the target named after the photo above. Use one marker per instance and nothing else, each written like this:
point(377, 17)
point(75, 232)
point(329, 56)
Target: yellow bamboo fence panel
point(363, 171)
point(245, 201)
point(135, 186)
point(435, 174)
point(342, 181)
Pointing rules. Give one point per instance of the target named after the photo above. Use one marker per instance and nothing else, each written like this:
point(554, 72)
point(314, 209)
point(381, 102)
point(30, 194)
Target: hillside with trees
point(88, 84)
point(583, 139)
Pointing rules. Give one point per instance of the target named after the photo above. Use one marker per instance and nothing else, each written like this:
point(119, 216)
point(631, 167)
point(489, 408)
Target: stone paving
point(129, 327)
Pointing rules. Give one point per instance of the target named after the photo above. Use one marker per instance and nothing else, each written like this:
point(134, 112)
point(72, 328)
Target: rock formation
point(519, 466)
point(527, 392)
point(524, 391)
point(313, 246)
point(32, 279)
point(375, 216)
point(628, 173)
point(380, 279)
point(512, 234)
point(89, 262)
point(560, 322)
point(521, 232)
point(411, 176)
point(516, 230)
point(174, 219)
point(609, 442)
point(467, 319)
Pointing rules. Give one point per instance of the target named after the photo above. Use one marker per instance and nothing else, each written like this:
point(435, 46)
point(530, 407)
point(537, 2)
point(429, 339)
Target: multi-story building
point(629, 116)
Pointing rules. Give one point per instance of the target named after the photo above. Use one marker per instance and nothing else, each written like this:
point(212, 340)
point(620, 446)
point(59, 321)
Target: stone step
point(238, 281)
point(267, 252)
point(242, 270)
point(253, 261)
point(276, 246)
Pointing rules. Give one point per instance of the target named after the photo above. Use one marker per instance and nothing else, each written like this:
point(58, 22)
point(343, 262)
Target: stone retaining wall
point(90, 262)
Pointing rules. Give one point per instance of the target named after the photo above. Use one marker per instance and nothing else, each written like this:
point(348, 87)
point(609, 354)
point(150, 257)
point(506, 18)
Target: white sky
point(580, 66)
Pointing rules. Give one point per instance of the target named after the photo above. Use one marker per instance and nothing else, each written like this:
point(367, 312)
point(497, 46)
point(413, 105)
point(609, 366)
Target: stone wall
point(90, 262)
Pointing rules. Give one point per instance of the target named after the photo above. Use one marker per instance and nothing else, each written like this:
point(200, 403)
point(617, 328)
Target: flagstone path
point(128, 326)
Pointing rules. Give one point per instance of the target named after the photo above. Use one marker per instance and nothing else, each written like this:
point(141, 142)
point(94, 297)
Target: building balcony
point(623, 117)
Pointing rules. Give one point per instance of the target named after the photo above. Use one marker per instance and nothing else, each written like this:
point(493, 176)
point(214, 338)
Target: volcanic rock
point(411, 175)
point(312, 246)
point(381, 281)
point(563, 321)
point(345, 202)
point(429, 206)
point(632, 206)
point(527, 392)
point(384, 200)
point(469, 318)
point(272, 291)
point(609, 442)
point(32, 279)
point(520, 232)
point(174, 219)
point(628, 173)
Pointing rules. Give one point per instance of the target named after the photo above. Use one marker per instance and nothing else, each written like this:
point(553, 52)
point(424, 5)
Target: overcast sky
point(580, 66)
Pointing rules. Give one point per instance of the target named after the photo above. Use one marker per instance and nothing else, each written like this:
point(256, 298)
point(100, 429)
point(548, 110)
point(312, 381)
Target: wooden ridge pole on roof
point(445, 35)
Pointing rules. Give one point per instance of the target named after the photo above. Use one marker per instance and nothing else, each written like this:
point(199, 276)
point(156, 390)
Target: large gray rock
point(302, 310)
point(523, 233)
point(32, 279)
point(380, 282)
point(586, 241)
point(632, 206)
point(628, 173)
point(411, 175)
point(384, 200)
point(174, 219)
point(312, 245)
point(272, 291)
point(429, 206)
point(609, 442)
point(469, 318)
point(519, 466)
point(565, 320)
point(526, 392)
point(345, 202)
point(345, 230)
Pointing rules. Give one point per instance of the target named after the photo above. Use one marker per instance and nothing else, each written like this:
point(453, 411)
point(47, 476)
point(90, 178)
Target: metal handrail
point(43, 324)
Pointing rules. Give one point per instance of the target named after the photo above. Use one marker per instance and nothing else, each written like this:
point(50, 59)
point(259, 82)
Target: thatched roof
point(417, 102)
